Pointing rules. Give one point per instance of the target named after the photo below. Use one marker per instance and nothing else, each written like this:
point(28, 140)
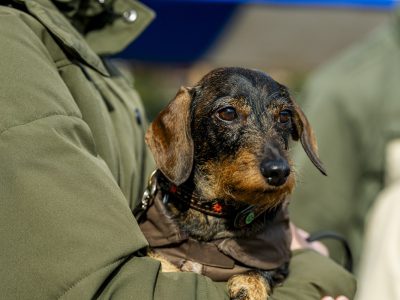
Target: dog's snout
point(275, 171)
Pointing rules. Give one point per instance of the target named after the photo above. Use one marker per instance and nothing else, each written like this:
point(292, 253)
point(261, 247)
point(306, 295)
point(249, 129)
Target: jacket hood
point(105, 28)
point(81, 8)
point(107, 25)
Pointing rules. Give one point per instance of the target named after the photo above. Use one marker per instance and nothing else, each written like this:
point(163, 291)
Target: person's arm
point(312, 274)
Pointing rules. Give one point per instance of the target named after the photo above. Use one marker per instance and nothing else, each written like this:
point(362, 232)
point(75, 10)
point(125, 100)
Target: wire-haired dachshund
point(217, 205)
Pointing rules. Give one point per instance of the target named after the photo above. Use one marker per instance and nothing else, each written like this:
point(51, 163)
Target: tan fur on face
point(240, 179)
point(250, 286)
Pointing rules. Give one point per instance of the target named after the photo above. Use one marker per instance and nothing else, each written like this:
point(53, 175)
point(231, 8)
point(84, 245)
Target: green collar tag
point(249, 218)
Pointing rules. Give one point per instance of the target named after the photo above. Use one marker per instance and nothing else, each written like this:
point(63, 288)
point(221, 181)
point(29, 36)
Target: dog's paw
point(248, 286)
point(191, 266)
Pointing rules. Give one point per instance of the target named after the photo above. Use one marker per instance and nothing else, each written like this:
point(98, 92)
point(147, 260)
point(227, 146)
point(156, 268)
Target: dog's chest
point(218, 259)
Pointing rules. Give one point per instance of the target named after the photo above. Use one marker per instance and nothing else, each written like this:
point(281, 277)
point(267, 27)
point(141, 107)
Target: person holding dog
point(74, 164)
point(353, 105)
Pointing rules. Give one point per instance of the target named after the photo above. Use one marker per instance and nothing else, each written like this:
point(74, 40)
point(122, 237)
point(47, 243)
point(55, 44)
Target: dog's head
point(231, 133)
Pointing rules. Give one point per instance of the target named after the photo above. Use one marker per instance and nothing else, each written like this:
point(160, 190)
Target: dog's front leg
point(192, 266)
point(248, 286)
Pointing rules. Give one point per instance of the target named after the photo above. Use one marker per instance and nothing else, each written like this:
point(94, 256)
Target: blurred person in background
point(353, 104)
point(380, 263)
point(73, 164)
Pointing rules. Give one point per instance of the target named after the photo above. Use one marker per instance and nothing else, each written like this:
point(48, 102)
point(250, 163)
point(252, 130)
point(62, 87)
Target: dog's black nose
point(275, 171)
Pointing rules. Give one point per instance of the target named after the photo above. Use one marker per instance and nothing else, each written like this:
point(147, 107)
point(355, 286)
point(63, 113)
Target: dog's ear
point(302, 130)
point(169, 139)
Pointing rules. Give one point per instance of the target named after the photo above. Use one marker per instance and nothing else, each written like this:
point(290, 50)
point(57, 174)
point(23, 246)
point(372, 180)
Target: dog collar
point(185, 198)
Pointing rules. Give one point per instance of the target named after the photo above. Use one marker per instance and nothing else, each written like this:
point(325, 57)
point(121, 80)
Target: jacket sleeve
point(313, 276)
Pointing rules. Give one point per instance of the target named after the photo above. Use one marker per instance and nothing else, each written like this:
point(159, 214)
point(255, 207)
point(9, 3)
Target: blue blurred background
point(185, 29)
point(287, 39)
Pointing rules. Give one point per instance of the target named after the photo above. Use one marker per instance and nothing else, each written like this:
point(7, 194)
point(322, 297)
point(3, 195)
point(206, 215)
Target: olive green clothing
point(353, 105)
point(73, 164)
point(311, 278)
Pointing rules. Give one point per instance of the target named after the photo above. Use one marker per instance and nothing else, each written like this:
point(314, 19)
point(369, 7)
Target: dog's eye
point(227, 113)
point(284, 116)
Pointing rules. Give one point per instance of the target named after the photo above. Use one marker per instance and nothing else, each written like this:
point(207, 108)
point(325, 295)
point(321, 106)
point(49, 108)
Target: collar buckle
point(147, 198)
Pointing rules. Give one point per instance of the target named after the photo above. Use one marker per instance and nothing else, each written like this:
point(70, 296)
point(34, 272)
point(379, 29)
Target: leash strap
point(321, 235)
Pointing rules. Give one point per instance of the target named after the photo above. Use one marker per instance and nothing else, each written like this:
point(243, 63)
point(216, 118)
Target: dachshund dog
point(217, 204)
